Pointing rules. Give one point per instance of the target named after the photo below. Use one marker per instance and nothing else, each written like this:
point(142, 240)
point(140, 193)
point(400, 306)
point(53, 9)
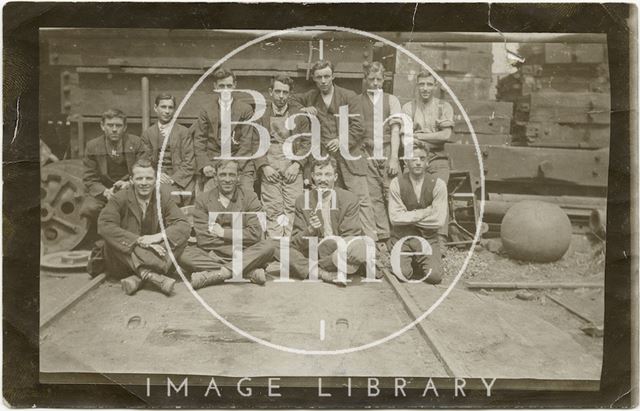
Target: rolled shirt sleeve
point(438, 209)
point(436, 212)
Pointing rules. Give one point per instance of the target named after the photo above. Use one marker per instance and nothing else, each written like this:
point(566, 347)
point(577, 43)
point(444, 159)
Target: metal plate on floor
point(66, 261)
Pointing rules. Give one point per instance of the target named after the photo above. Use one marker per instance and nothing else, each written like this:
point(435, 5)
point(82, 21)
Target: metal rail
point(49, 317)
point(452, 366)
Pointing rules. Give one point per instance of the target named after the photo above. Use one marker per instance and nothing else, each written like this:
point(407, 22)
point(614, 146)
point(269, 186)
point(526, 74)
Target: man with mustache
point(207, 138)
point(325, 102)
point(178, 162)
point(108, 161)
point(135, 250)
point(211, 261)
point(326, 211)
point(432, 127)
point(418, 208)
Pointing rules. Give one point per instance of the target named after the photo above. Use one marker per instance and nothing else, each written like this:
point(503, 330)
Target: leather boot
point(257, 276)
point(206, 278)
point(164, 283)
point(331, 278)
point(131, 284)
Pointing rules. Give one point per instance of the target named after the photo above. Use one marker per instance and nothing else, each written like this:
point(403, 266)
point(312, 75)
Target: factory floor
point(479, 333)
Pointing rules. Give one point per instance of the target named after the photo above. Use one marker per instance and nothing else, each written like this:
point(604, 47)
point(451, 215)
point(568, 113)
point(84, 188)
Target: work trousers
point(378, 185)
point(194, 259)
point(121, 265)
point(328, 257)
point(279, 200)
point(359, 186)
point(440, 167)
point(415, 267)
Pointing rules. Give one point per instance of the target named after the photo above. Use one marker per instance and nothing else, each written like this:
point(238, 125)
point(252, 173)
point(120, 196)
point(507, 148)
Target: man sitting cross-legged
point(418, 208)
point(134, 244)
point(211, 261)
point(335, 213)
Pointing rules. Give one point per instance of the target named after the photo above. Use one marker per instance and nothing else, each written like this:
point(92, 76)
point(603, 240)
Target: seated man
point(130, 227)
point(418, 207)
point(335, 214)
point(108, 160)
point(178, 165)
point(211, 262)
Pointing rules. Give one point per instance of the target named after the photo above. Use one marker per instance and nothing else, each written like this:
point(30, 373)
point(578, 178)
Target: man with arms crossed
point(134, 244)
point(211, 261)
point(418, 207)
point(207, 137)
point(324, 102)
point(178, 163)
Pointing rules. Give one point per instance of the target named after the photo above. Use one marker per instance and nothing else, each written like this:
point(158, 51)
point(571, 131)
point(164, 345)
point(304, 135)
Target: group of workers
point(356, 184)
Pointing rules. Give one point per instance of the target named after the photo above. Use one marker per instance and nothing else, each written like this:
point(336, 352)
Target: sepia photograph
point(298, 215)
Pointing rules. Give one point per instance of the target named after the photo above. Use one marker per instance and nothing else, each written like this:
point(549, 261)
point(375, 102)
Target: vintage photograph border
point(21, 207)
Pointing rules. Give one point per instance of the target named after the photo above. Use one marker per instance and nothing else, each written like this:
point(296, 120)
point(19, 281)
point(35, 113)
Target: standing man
point(380, 172)
point(326, 211)
point(432, 123)
point(281, 177)
point(134, 244)
point(418, 207)
point(207, 138)
point(432, 126)
point(178, 163)
point(211, 261)
point(324, 102)
point(108, 162)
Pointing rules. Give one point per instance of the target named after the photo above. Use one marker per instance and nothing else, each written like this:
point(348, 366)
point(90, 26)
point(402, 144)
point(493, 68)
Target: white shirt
point(325, 211)
point(399, 215)
point(144, 204)
point(224, 200)
point(164, 130)
point(225, 105)
point(277, 112)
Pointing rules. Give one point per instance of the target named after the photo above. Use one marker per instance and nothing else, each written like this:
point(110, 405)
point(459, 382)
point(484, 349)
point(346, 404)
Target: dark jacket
point(207, 139)
point(120, 222)
point(241, 201)
point(328, 118)
point(180, 144)
point(345, 218)
point(301, 145)
point(95, 177)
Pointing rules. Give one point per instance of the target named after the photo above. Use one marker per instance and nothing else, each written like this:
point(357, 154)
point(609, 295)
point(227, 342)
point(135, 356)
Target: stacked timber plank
point(561, 95)
point(491, 122)
point(564, 119)
point(466, 70)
